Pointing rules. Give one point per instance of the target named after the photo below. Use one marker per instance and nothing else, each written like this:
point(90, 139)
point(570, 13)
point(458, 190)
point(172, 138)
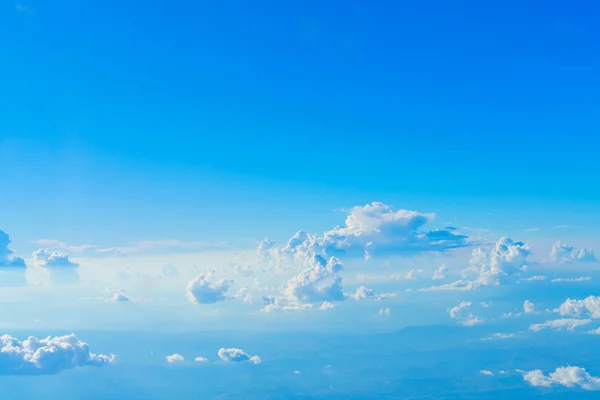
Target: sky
point(278, 186)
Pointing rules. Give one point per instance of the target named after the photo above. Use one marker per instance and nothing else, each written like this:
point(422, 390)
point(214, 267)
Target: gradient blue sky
point(237, 120)
point(155, 145)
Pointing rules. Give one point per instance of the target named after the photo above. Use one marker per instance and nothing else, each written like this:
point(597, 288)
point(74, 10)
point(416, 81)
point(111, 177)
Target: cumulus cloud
point(528, 307)
point(486, 372)
point(237, 355)
point(375, 229)
point(508, 258)
point(560, 324)
point(174, 358)
point(6, 254)
point(471, 320)
point(326, 306)
point(53, 259)
point(201, 359)
point(35, 356)
point(564, 376)
point(588, 307)
point(562, 252)
point(320, 281)
point(203, 290)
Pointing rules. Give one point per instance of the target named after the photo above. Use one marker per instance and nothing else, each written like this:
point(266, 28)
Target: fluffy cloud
point(201, 359)
point(588, 307)
point(174, 358)
point(326, 306)
point(564, 376)
point(374, 229)
point(457, 311)
point(528, 307)
point(6, 254)
point(562, 252)
point(320, 281)
point(363, 293)
point(237, 355)
point(35, 356)
point(506, 259)
point(53, 259)
point(486, 372)
point(203, 291)
point(559, 324)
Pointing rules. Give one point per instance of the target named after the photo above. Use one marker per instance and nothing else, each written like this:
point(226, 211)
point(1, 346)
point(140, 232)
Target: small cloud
point(384, 312)
point(201, 360)
point(327, 306)
point(572, 280)
point(500, 336)
point(203, 290)
point(486, 372)
point(174, 358)
point(532, 229)
point(237, 355)
point(562, 226)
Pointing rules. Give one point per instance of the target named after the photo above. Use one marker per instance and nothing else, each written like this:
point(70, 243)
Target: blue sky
point(439, 158)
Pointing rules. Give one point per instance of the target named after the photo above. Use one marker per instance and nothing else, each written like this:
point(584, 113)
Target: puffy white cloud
point(439, 273)
point(559, 324)
point(373, 229)
point(320, 281)
point(201, 359)
point(456, 312)
point(412, 274)
point(174, 358)
point(6, 254)
point(326, 306)
point(486, 372)
point(363, 293)
point(35, 356)
point(53, 259)
point(588, 307)
point(528, 307)
point(564, 376)
point(203, 290)
point(237, 355)
point(562, 252)
point(281, 303)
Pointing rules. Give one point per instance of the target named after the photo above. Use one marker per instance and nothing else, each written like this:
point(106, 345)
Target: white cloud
point(560, 324)
point(564, 376)
point(439, 273)
point(588, 307)
point(562, 252)
point(320, 281)
point(201, 359)
point(456, 310)
point(485, 304)
point(471, 320)
point(500, 336)
point(6, 254)
point(374, 229)
point(174, 358)
point(326, 306)
point(461, 285)
point(35, 356)
point(363, 293)
point(580, 279)
point(203, 291)
point(486, 372)
point(534, 278)
point(528, 307)
point(119, 297)
point(53, 259)
point(237, 355)
point(385, 311)
point(412, 274)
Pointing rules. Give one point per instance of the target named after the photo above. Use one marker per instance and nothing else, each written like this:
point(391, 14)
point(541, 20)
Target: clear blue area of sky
point(236, 119)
